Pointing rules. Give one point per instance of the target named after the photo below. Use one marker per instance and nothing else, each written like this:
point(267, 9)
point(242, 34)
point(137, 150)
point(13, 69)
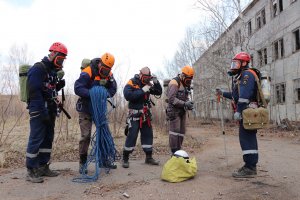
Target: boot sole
point(246, 176)
point(30, 180)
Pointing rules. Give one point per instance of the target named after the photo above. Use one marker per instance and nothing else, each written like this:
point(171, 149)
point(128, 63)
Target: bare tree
point(11, 109)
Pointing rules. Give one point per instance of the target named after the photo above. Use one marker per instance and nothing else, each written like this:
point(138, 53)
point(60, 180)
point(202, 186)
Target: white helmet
point(181, 153)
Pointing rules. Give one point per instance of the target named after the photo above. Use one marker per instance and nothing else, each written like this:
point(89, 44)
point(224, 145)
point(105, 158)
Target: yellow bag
point(178, 169)
point(255, 118)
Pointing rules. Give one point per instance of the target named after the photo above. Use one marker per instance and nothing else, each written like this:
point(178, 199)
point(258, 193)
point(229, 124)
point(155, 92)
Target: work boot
point(149, 160)
point(44, 170)
point(125, 163)
point(244, 172)
point(33, 176)
point(82, 168)
point(109, 165)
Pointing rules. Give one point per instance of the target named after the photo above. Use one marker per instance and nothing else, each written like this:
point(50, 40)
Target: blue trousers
point(248, 142)
point(146, 136)
point(40, 140)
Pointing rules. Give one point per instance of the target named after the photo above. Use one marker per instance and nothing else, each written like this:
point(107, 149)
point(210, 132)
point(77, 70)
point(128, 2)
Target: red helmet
point(242, 56)
point(59, 47)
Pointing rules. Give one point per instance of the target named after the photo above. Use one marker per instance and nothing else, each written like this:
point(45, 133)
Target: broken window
point(297, 39)
point(249, 28)
point(260, 19)
point(278, 47)
point(297, 90)
point(265, 56)
point(280, 93)
point(280, 5)
point(258, 24)
point(274, 8)
point(281, 48)
point(276, 54)
point(260, 57)
point(263, 16)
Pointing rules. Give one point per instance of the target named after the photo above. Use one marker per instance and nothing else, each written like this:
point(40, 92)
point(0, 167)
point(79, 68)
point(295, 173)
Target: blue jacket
point(136, 96)
point(246, 92)
point(42, 85)
point(84, 83)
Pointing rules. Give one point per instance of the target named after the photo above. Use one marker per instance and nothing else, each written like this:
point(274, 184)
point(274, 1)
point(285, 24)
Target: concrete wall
point(283, 70)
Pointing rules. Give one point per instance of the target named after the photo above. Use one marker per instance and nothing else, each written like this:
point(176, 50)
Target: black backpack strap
point(42, 65)
point(177, 79)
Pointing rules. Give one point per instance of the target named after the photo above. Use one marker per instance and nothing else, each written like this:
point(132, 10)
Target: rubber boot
point(82, 161)
point(149, 160)
point(34, 176)
point(125, 163)
point(44, 170)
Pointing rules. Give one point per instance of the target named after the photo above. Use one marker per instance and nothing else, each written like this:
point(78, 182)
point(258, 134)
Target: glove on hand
point(219, 92)
point(146, 88)
point(61, 83)
point(237, 116)
point(154, 78)
point(189, 105)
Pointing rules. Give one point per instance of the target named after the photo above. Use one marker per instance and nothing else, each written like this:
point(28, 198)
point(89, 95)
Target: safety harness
point(143, 114)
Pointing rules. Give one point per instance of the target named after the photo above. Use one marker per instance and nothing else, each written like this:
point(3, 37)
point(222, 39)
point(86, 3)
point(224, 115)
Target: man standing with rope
point(137, 91)
point(97, 73)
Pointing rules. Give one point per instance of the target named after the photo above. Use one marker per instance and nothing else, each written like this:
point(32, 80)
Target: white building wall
point(283, 70)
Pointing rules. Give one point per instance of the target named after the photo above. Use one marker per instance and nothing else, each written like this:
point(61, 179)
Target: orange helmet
point(187, 70)
point(108, 60)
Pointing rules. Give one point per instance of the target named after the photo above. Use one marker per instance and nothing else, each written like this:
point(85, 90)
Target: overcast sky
point(138, 32)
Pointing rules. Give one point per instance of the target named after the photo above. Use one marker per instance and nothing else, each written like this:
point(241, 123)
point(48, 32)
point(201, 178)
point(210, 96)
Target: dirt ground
point(278, 174)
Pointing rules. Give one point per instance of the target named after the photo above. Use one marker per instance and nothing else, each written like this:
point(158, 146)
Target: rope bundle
point(103, 152)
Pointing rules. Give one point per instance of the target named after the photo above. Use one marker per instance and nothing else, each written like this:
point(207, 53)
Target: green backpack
point(85, 63)
point(23, 72)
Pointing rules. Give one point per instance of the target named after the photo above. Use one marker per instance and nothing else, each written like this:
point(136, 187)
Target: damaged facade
point(269, 30)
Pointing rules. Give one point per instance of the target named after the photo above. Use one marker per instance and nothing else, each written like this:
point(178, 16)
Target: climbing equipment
point(103, 152)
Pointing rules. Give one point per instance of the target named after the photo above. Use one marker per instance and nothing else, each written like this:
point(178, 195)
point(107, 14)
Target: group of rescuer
point(44, 84)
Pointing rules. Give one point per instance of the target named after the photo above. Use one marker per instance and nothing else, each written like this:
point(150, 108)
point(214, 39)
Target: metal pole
point(220, 100)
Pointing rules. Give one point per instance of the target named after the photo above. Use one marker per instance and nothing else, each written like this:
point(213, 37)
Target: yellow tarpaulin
point(178, 169)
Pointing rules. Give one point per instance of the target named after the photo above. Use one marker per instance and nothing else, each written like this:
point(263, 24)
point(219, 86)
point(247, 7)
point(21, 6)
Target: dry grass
point(65, 146)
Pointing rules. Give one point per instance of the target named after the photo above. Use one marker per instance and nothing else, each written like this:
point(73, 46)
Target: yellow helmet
point(108, 60)
point(187, 70)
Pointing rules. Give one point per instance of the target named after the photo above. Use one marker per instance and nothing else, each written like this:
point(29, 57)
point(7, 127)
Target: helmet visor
point(235, 64)
point(104, 71)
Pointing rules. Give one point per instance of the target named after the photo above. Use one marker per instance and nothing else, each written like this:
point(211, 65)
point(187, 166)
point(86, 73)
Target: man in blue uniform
point(98, 72)
point(43, 85)
point(244, 94)
point(137, 91)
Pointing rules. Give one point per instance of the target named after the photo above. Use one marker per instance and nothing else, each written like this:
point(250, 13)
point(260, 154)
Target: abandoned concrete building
point(269, 30)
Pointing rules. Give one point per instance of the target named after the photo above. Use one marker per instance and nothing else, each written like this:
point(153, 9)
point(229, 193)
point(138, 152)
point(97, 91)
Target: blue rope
point(103, 152)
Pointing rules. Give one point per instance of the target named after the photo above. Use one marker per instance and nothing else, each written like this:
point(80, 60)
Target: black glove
point(189, 105)
point(61, 83)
